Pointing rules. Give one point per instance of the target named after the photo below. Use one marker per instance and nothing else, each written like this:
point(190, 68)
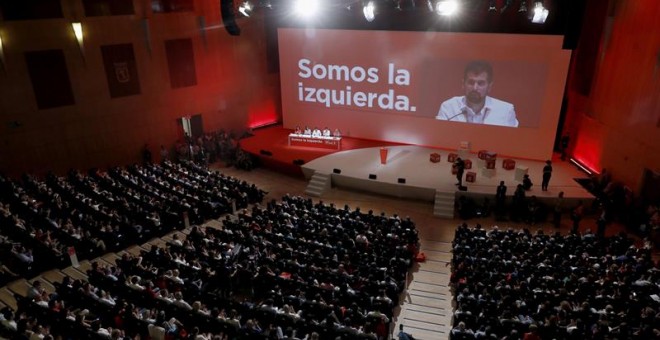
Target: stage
point(351, 168)
point(270, 144)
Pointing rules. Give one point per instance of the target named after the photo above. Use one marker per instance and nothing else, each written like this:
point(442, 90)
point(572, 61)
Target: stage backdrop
point(389, 86)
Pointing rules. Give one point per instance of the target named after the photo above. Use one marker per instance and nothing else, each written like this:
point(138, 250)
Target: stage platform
point(423, 179)
point(270, 144)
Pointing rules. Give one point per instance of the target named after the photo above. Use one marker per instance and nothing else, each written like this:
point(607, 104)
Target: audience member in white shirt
point(179, 301)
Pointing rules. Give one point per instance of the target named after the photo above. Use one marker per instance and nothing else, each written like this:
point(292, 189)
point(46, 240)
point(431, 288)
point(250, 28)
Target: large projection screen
point(499, 92)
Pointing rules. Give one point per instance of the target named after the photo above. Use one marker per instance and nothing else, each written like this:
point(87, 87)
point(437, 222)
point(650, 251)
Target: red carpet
point(274, 140)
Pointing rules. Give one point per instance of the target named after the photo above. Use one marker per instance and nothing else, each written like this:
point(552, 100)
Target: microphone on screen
point(463, 112)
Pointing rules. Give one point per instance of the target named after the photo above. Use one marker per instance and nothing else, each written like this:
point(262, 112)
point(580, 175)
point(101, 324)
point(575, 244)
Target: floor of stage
point(360, 158)
point(412, 163)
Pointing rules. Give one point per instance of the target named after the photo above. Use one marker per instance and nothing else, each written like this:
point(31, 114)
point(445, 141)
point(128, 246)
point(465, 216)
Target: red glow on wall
point(589, 146)
point(262, 113)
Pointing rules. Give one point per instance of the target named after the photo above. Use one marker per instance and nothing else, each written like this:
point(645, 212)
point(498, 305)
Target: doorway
point(190, 127)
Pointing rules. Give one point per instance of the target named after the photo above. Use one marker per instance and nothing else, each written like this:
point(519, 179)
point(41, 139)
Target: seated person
point(307, 131)
point(298, 131)
point(337, 133)
point(527, 183)
point(462, 331)
point(316, 132)
point(403, 335)
point(327, 132)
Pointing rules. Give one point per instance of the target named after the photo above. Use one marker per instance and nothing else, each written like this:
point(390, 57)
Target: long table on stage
point(315, 142)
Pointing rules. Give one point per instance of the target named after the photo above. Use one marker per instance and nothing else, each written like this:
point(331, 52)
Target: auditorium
point(329, 169)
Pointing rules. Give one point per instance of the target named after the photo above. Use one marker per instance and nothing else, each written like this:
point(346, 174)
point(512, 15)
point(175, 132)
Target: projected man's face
point(477, 86)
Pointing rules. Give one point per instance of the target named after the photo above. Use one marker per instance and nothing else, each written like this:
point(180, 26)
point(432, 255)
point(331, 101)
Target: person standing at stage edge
point(547, 173)
point(576, 217)
point(459, 164)
point(500, 199)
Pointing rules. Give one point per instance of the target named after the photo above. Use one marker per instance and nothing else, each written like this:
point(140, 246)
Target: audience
point(301, 269)
point(106, 211)
point(211, 147)
point(516, 284)
point(295, 264)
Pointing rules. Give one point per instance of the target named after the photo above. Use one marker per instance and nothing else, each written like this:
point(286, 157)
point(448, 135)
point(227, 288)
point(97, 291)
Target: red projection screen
point(424, 88)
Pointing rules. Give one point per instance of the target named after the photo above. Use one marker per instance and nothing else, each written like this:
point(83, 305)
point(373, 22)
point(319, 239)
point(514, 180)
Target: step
point(319, 179)
point(111, 258)
point(74, 274)
point(318, 184)
point(444, 213)
point(443, 208)
point(322, 184)
point(313, 193)
point(19, 287)
point(430, 288)
point(53, 276)
point(423, 330)
point(8, 299)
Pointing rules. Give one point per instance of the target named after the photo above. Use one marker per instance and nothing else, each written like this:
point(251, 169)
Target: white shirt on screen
point(327, 133)
point(307, 131)
point(316, 133)
point(495, 112)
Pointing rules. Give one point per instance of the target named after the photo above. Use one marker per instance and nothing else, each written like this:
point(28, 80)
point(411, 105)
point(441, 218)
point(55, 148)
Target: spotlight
point(540, 13)
point(78, 31)
point(446, 7)
point(369, 11)
point(245, 8)
point(2, 55)
point(306, 8)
